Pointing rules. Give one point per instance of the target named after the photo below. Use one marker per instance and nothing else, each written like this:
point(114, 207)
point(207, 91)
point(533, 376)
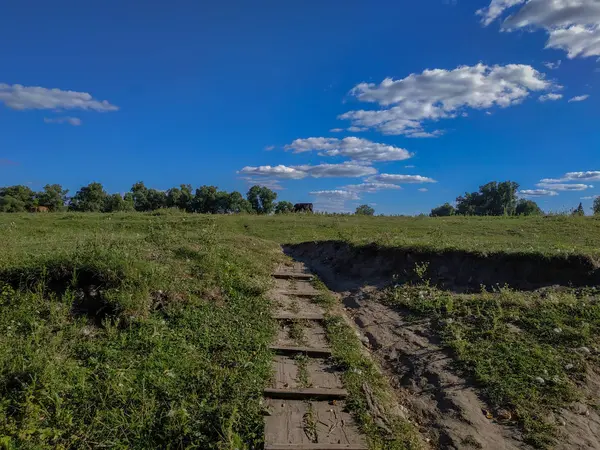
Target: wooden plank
point(299, 316)
point(309, 351)
point(309, 294)
point(307, 446)
point(306, 393)
point(293, 275)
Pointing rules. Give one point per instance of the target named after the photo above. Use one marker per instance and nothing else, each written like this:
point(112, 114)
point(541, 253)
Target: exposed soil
point(460, 271)
point(447, 406)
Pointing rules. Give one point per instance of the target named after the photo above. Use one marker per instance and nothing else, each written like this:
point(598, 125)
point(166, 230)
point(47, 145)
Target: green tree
point(90, 198)
point(238, 204)
point(579, 211)
point(492, 199)
point(284, 207)
point(174, 197)
point(16, 198)
point(262, 199)
point(205, 200)
point(528, 208)
point(116, 203)
point(596, 206)
point(444, 210)
point(186, 201)
point(364, 210)
point(140, 197)
point(54, 197)
point(156, 199)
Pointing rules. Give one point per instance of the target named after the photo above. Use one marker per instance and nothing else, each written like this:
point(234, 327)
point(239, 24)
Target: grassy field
point(152, 330)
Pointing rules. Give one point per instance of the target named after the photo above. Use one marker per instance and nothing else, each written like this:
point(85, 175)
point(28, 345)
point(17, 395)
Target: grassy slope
point(544, 235)
point(182, 365)
point(186, 358)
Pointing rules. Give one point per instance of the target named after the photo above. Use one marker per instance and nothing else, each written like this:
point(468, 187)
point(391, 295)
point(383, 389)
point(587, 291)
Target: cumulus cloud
point(549, 97)
point(336, 130)
point(21, 98)
point(279, 171)
point(564, 187)
point(347, 169)
point(269, 148)
point(337, 194)
point(572, 25)
point(442, 94)
point(537, 193)
point(75, 121)
point(389, 178)
point(354, 148)
point(590, 197)
point(579, 98)
point(370, 187)
point(576, 41)
point(590, 175)
point(422, 189)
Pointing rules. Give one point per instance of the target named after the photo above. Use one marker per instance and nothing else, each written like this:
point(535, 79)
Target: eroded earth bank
point(493, 352)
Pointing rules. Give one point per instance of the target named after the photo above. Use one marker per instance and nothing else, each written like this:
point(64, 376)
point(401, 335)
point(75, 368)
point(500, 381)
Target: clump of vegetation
point(492, 199)
point(365, 210)
point(528, 350)
point(93, 198)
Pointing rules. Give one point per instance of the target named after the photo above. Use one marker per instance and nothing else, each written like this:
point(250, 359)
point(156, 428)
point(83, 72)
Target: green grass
point(152, 330)
point(527, 351)
point(180, 362)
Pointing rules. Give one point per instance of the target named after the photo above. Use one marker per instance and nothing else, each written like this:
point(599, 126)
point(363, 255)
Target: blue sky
point(409, 104)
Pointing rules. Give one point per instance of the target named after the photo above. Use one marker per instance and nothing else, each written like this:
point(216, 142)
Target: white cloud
point(441, 94)
point(549, 97)
point(336, 130)
point(337, 194)
point(21, 97)
point(576, 41)
point(75, 121)
point(423, 189)
point(347, 169)
point(370, 187)
point(564, 187)
point(579, 98)
point(537, 193)
point(267, 182)
point(350, 147)
point(495, 10)
point(553, 65)
point(274, 171)
point(400, 179)
point(354, 129)
point(572, 25)
point(590, 175)
point(590, 197)
point(269, 148)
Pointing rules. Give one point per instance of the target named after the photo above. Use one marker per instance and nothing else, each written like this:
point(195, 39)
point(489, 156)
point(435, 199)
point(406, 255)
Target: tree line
point(498, 199)
point(93, 198)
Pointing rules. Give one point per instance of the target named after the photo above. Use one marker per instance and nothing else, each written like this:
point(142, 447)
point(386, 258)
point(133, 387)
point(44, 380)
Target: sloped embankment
point(450, 269)
point(498, 369)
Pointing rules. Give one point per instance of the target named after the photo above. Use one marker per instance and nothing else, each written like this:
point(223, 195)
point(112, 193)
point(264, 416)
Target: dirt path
point(305, 401)
point(447, 406)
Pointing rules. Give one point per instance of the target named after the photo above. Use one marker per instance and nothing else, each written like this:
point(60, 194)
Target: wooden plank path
point(305, 404)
